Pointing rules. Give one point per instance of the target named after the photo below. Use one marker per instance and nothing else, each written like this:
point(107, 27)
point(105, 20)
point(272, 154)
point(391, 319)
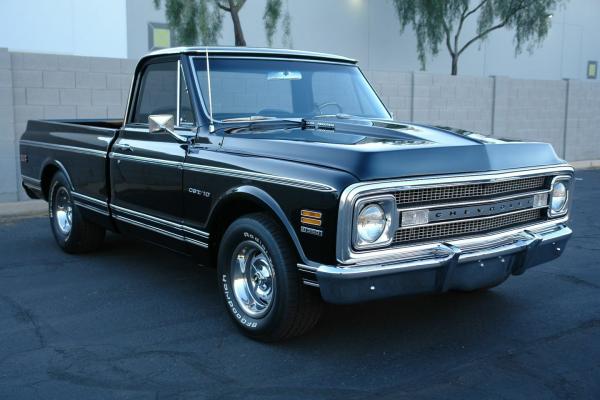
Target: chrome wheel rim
point(64, 211)
point(253, 279)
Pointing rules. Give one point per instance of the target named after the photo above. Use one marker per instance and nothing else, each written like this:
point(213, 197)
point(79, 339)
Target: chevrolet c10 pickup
point(285, 171)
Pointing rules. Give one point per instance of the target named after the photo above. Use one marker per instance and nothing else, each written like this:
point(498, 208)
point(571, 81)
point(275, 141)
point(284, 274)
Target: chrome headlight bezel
point(387, 203)
point(564, 209)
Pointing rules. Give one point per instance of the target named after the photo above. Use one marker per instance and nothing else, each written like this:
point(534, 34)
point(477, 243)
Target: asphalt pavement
point(135, 321)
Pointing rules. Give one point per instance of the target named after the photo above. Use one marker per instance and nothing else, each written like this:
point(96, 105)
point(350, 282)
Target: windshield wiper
point(250, 118)
point(339, 116)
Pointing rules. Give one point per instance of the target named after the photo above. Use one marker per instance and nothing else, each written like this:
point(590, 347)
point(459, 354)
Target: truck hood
point(375, 149)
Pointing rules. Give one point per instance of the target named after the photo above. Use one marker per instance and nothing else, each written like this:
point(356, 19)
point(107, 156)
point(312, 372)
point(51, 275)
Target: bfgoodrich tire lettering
point(73, 233)
point(281, 307)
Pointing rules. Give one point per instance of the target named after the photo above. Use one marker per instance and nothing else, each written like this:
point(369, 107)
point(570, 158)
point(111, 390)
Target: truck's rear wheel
point(73, 233)
point(259, 280)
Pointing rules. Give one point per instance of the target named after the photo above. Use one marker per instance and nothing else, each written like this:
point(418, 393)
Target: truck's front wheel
point(73, 233)
point(259, 280)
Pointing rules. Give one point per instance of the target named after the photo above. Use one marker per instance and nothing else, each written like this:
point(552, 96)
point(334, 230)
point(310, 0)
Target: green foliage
point(192, 21)
point(201, 21)
point(271, 16)
point(439, 21)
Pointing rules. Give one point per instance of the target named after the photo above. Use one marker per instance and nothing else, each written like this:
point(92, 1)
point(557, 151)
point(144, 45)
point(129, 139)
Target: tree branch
point(475, 9)
point(222, 7)
point(448, 45)
point(481, 35)
point(493, 28)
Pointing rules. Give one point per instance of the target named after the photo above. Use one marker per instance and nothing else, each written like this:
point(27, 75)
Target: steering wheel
point(321, 106)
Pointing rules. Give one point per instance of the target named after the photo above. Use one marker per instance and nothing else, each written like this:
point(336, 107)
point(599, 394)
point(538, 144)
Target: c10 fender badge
point(311, 231)
point(199, 192)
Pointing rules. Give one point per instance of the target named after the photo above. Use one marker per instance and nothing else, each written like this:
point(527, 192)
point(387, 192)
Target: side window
point(186, 112)
point(157, 92)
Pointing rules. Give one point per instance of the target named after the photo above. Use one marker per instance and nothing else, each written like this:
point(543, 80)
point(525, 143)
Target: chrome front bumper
point(460, 264)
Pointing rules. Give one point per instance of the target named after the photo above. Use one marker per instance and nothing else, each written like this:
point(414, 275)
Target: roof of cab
point(253, 52)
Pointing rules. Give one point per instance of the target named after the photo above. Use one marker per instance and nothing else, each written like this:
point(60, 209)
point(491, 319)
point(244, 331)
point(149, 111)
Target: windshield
point(243, 88)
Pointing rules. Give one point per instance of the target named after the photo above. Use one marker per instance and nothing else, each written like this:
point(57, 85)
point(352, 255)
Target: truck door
point(146, 168)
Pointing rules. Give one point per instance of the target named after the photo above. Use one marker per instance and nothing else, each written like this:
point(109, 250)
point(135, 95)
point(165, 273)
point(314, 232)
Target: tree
point(437, 21)
point(192, 21)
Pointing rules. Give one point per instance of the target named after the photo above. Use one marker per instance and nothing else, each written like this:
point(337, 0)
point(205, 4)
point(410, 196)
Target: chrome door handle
point(124, 147)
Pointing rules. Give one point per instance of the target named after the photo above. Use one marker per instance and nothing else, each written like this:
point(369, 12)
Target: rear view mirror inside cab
point(284, 76)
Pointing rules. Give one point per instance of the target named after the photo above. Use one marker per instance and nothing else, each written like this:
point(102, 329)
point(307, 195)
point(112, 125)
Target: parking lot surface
point(134, 321)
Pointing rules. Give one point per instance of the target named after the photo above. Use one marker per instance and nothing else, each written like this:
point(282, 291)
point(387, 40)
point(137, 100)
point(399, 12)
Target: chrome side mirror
point(164, 123)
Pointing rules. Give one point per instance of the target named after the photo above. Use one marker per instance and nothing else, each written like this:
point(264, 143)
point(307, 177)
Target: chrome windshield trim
point(147, 160)
point(260, 177)
point(53, 146)
point(344, 252)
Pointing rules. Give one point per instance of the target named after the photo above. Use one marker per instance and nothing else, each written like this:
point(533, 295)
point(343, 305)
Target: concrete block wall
point(583, 121)
point(8, 143)
point(564, 113)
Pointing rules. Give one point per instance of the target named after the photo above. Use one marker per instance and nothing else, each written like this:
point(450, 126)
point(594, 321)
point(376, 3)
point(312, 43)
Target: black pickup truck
point(285, 171)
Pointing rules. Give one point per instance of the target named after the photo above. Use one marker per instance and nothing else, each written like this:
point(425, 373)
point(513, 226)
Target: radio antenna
point(211, 125)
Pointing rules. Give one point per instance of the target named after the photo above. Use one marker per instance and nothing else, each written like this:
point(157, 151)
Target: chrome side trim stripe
point(31, 180)
point(149, 227)
point(160, 221)
point(90, 199)
point(147, 160)
point(259, 177)
point(91, 208)
point(227, 172)
point(197, 243)
point(161, 231)
point(54, 146)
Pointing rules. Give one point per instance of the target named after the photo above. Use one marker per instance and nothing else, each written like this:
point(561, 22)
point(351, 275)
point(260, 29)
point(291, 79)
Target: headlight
point(375, 221)
point(559, 197)
point(371, 223)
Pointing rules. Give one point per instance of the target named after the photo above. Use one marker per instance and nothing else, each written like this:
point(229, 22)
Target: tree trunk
point(454, 65)
point(237, 28)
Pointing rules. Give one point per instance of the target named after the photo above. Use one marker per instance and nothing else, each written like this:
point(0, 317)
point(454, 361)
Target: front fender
point(265, 201)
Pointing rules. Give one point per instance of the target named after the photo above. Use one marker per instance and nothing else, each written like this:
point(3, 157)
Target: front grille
point(463, 228)
point(415, 197)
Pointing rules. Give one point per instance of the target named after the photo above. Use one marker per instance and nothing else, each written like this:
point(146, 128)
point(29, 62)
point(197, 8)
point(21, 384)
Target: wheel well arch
point(50, 168)
point(242, 201)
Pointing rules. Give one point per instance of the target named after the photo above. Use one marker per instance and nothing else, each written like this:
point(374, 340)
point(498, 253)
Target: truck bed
point(80, 146)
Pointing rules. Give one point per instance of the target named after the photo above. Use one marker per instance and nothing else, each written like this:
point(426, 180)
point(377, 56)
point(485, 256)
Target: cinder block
point(76, 97)
point(24, 78)
point(73, 63)
point(106, 97)
point(6, 96)
point(124, 96)
point(5, 78)
point(106, 65)
point(60, 112)
point(91, 112)
point(42, 96)
point(19, 97)
point(59, 79)
point(6, 123)
point(90, 80)
point(115, 112)
point(118, 81)
point(5, 57)
point(25, 113)
point(128, 66)
point(39, 61)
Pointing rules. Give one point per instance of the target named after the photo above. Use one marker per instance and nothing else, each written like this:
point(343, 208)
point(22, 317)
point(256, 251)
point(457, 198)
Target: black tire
point(83, 235)
point(294, 308)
